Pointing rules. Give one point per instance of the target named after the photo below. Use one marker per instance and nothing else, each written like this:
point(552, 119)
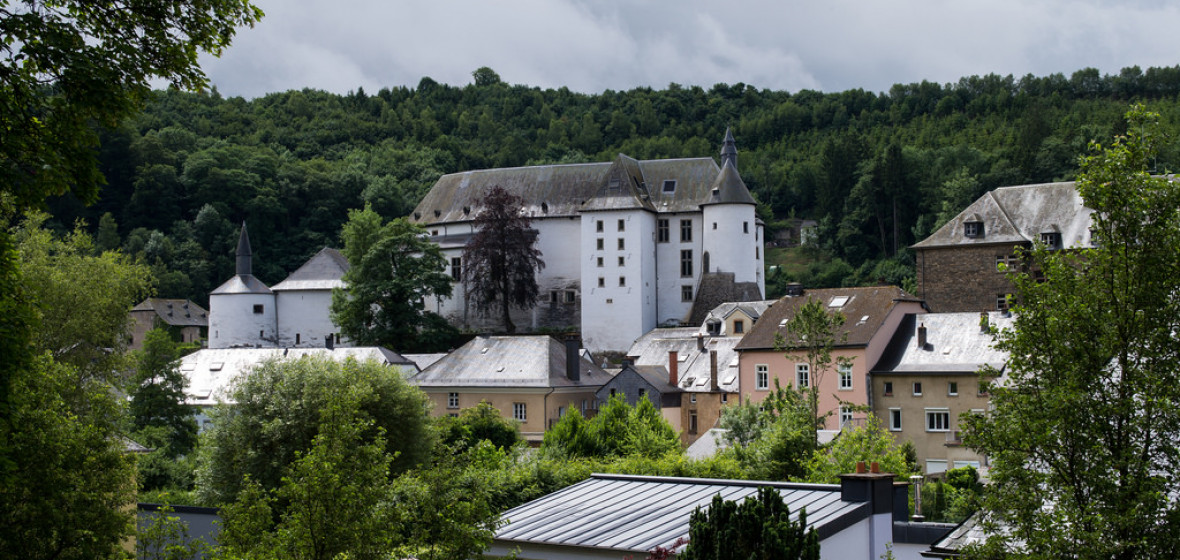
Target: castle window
point(600, 244)
point(622, 244)
point(685, 231)
point(1051, 239)
point(662, 230)
point(622, 281)
point(598, 226)
point(622, 225)
point(686, 262)
point(297, 337)
point(258, 309)
point(686, 293)
point(601, 282)
point(745, 227)
point(714, 225)
point(1002, 302)
point(973, 229)
point(622, 261)
point(599, 262)
point(571, 296)
point(553, 296)
point(670, 185)
point(452, 400)
point(456, 268)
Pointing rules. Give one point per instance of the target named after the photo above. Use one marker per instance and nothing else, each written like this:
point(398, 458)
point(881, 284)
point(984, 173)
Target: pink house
point(871, 315)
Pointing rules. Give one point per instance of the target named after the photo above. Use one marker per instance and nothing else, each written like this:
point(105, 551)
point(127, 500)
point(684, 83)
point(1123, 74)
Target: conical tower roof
point(243, 281)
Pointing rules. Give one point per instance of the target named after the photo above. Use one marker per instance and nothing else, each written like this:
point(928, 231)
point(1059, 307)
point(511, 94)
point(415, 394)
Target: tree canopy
point(501, 260)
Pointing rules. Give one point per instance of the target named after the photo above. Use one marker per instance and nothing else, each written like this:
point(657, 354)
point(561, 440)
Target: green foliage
point(811, 334)
point(393, 268)
point(482, 422)
point(1082, 436)
point(773, 439)
point(870, 443)
point(618, 430)
point(759, 527)
point(281, 406)
point(165, 537)
point(157, 396)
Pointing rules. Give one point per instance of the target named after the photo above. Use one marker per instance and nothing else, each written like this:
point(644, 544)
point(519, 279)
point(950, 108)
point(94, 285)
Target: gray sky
point(594, 45)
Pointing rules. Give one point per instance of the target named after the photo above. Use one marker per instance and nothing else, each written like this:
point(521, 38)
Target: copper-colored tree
point(501, 260)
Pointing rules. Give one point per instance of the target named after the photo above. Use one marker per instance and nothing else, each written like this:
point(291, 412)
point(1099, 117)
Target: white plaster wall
point(613, 316)
point(307, 313)
point(851, 543)
point(232, 321)
point(730, 233)
point(668, 279)
point(760, 261)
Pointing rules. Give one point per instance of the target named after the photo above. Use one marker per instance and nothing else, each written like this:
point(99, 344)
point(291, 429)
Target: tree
point(870, 443)
point(501, 260)
point(618, 430)
point(814, 332)
point(774, 439)
point(759, 527)
point(1083, 435)
point(392, 269)
point(157, 396)
point(280, 407)
point(482, 422)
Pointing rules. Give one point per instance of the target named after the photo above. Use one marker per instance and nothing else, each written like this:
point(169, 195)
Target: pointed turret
point(728, 150)
point(245, 264)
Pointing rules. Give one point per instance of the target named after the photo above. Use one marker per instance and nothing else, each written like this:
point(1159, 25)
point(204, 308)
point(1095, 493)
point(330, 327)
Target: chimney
point(673, 368)
point(794, 289)
point(573, 358)
point(922, 335)
point(713, 370)
point(700, 341)
point(916, 481)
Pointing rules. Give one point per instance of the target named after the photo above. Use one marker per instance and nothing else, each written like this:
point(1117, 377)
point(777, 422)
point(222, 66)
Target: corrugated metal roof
point(865, 310)
point(324, 271)
point(508, 361)
point(176, 312)
point(637, 513)
point(209, 372)
point(955, 343)
point(1020, 214)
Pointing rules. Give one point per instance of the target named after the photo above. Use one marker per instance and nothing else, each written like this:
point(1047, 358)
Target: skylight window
point(670, 185)
point(838, 301)
point(702, 381)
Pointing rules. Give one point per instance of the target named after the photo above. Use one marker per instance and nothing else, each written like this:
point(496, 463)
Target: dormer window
point(670, 186)
point(1051, 239)
point(973, 229)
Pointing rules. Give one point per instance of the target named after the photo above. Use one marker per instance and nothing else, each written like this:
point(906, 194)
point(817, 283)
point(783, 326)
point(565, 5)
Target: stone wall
point(963, 278)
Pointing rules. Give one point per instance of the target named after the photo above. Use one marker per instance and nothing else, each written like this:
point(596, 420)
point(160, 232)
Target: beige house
point(531, 379)
point(928, 380)
point(190, 319)
point(871, 316)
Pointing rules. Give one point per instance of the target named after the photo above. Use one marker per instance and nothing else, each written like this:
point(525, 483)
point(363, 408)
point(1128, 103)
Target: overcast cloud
point(594, 45)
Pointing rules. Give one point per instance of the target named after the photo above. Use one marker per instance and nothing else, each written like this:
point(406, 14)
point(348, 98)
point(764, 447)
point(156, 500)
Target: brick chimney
point(713, 370)
point(673, 368)
point(922, 335)
point(573, 358)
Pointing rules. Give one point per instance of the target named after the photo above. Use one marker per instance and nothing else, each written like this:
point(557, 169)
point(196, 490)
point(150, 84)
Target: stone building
point(188, 319)
point(959, 266)
point(628, 244)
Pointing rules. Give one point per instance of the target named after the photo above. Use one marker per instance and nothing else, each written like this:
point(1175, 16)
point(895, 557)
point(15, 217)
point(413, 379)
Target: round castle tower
point(732, 236)
point(242, 310)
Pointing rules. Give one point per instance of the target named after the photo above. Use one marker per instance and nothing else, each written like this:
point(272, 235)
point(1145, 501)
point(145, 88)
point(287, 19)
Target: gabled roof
point(955, 343)
point(634, 514)
point(692, 349)
point(1019, 214)
point(623, 189)
point(752, 309)
point(324, 271)
point(209, 372)
point(865, 310)
point(175, 312)
point(508, 361)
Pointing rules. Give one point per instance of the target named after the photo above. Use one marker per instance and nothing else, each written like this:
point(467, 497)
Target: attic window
point(545, 207)
point(417, 216)
point(1051, 239)
point(702, 381)
point(216, 366)
point(614, 183)
point(466, 210)
point(437, 213)
point(973, 229)
point(838, 301)
point(670, 185)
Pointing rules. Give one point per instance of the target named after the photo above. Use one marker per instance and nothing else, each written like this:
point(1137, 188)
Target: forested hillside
point(879, 171)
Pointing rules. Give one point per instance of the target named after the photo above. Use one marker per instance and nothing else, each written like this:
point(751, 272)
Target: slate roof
point(508, 361)
point(634, 514)
point(954, 344)
point(969, 532)
point(209, 372)
point(752, 309)
point(864, 311)
point(566, 190)
point(324, 271)
point(707, 445)
point(176, 312)
point(1020, 214)
point(717, 288)
point(694, 370)
point(729, 188)
point(242, 284)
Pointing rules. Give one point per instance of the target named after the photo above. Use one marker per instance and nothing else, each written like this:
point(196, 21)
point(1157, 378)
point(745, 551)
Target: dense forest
point(877, 171)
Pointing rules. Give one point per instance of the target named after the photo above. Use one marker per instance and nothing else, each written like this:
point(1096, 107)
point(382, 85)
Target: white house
point(295, 313)
point(628, 244)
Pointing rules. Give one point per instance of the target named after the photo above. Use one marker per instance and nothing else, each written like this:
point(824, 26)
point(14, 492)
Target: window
point(598, 226)
point(1051, 239)
point(612, 391)
point(802, 376)
point(714, 225)
point(685, 231)
point(670, 185)
point(622, 261)
point(622, 281)
point(452, 400)
point(938, 420)
point(973, 229)
point(724, 398)
point(692, 398)
point(739, 326)
point(692, 423)
point(520, 411)
point(952, 388)
point(762, 377)
point(622, 224)
point(258, 309)
point(917, 388)
point(297, 338)
point(642, 393)
point(845, 416)
point(599, 262)
point(600, 245)
point(845, 371)
point(895, 419)
point(745, 227)
point(553, 296)
point(686, 293)
point(1003, 302)
point(456, 268)
point(1006, 263)
point(686, 263)
point(622, 244)
point(662, 230)
point(888, 389)
point(571, 296)
point(982, 389)
point(601, 282)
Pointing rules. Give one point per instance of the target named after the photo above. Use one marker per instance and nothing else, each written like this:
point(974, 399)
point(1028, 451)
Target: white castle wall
point(306, 313)
point(233, 322)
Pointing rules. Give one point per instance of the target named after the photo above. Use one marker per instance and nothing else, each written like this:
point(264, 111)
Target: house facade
point(627, 245)
point(929, 379)
point(871, 315)
point(188, 319)
point(962, 266)
point(531, 379)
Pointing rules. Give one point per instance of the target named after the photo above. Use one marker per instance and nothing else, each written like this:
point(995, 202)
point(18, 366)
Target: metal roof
point(1020, 214)
point(209, 372)
point(324, 271)
point(692, 352)
point(955, 343)
point(175, 312)
point(242, 284)
point(508, 361)
point(637, 513)
point(865, 310)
